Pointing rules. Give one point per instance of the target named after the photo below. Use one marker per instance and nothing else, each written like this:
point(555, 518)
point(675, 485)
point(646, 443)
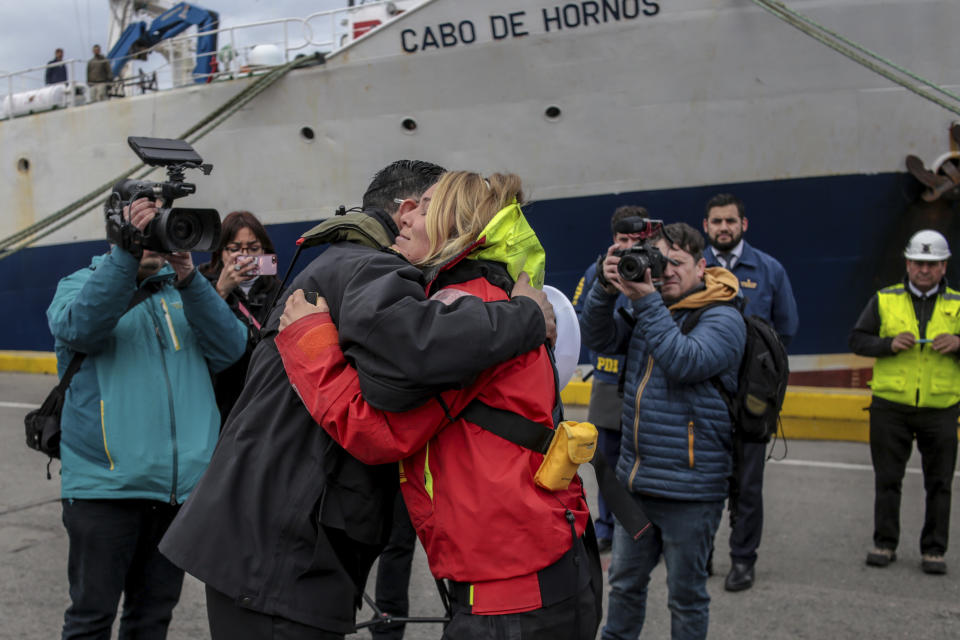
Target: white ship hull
point(663, 104)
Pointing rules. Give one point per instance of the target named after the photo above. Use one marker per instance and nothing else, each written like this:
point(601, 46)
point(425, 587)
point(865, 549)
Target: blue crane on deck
point(138, 37)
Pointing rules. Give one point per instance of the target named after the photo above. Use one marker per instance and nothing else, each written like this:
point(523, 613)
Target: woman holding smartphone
point(235, 271)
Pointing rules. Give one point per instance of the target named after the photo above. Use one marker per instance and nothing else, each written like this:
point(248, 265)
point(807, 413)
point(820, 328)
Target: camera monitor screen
point(163, 151)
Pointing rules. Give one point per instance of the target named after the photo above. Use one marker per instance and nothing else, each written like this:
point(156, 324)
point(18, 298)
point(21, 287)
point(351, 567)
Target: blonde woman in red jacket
point(511, 553)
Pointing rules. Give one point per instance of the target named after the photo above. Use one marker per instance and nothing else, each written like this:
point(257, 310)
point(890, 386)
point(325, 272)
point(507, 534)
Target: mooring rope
point(48, 225)
point(861, 55)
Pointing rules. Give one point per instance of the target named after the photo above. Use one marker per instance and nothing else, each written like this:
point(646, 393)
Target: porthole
point(409, 125)
point(307, 134)
point(552, 112)
point(23, 165)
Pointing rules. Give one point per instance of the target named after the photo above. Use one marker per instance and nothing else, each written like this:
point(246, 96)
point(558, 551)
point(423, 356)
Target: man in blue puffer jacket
point(138, 426)
point(676, 447)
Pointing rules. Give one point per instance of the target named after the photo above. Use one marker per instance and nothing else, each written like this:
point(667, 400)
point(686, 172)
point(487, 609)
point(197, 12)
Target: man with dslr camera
point(139, 423)
point(676, 444)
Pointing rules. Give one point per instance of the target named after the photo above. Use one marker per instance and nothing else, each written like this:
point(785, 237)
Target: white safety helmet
point(928, 246)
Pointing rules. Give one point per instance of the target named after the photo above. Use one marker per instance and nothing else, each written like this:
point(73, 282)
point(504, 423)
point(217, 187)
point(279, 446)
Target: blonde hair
point(463, 204)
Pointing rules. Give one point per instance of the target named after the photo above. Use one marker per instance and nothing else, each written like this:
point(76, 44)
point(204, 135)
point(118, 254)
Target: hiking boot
point(935, 565)
point(881, 557)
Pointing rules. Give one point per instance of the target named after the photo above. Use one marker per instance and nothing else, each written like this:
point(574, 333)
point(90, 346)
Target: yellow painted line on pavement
point(809, 413)
point(28, 361)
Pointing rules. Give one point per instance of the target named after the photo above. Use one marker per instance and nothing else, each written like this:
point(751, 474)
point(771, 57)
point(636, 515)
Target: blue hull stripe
point(840, 239)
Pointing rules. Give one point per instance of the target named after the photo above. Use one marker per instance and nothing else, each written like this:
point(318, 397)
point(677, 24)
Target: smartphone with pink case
point(266, 264)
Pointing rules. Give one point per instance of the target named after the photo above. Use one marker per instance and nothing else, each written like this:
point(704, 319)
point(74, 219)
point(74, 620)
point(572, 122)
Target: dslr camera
point(173, 229)
point(643, 255)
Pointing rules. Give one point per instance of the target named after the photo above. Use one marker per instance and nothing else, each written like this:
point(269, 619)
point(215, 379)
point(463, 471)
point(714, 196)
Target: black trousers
point(565, 617)
point(228, 621)
point(393, 572)
point(608, 442)
point(555, 622)
point(893, 427)
point(748, 523)
point(113, 551)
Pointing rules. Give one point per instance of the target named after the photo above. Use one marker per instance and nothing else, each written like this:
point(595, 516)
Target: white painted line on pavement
point(838, 465)
point(19, 405)
point(827, 465)
point(796, 463)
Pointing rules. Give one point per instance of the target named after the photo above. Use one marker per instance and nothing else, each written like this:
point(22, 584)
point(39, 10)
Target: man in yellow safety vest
point(912, 330)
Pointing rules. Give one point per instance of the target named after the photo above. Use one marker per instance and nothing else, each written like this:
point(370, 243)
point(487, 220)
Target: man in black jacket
point(284, 526)
point(57, 71)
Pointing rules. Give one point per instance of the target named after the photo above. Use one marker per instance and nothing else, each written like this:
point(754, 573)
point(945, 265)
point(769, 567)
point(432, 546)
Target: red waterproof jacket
point(470, 493)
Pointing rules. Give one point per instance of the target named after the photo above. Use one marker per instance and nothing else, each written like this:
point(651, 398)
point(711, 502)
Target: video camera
point(642, 256)
point(179, 229)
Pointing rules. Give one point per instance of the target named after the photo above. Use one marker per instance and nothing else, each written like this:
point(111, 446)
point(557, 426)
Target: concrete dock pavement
point(811, 578)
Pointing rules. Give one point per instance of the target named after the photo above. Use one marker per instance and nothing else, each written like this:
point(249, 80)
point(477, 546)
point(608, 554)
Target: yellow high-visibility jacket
point(918, 376)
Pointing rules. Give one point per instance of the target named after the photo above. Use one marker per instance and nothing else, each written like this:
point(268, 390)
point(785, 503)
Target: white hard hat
point(927, 245)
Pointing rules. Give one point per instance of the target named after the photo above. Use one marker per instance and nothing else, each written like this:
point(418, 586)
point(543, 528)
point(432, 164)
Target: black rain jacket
point(284, 521)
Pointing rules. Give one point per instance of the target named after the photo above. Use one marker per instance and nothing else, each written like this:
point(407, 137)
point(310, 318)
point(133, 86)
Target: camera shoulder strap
point(72, 368)
point(142, 294)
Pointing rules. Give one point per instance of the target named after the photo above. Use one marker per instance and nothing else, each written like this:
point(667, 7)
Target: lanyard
point(249, 315)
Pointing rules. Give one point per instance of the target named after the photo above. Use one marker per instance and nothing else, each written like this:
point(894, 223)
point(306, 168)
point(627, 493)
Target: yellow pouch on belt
point(573, 444)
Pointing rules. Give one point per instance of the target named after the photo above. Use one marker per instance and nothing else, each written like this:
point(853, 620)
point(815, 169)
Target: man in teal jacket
point(138, 427)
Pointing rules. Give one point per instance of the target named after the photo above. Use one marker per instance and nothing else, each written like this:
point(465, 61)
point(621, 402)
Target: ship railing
point(324, 31)
point(38, 96)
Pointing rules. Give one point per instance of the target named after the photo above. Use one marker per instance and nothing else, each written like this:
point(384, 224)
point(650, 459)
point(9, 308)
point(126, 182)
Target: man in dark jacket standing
point(767, 291)
point(675, 455)
point(57, 71)
point(284, 526)
point(913, 330)
point(606, 394)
